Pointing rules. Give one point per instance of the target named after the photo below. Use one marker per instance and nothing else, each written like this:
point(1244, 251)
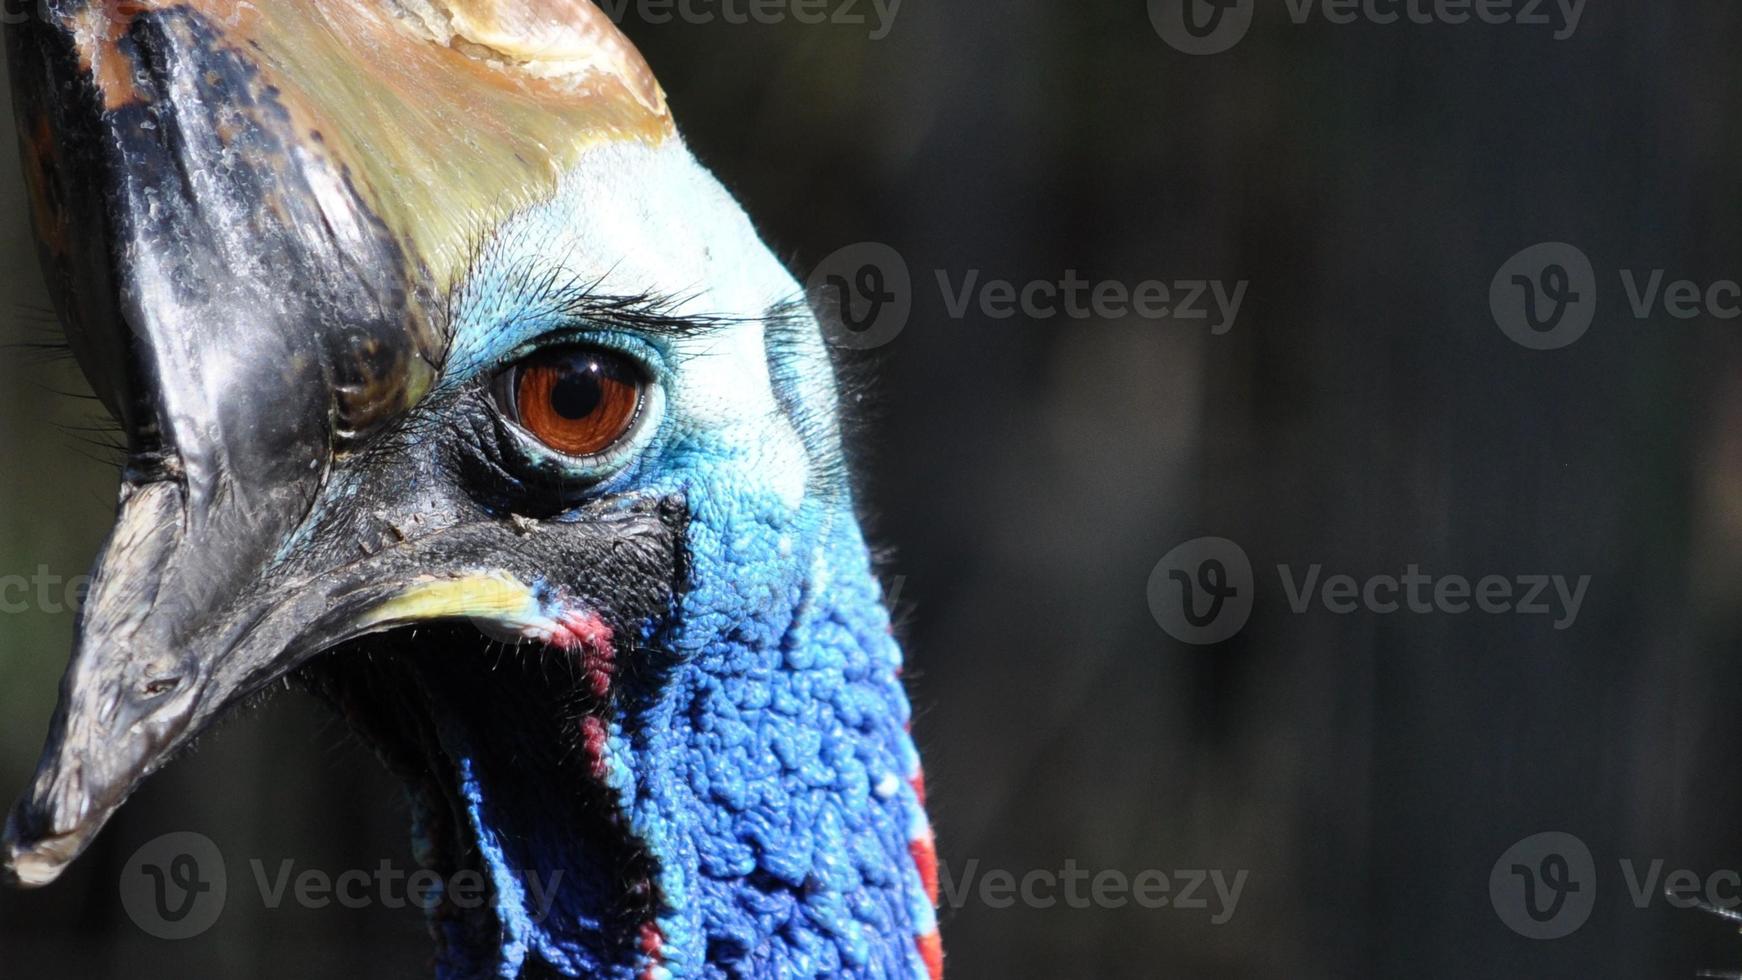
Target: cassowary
point(453, 385)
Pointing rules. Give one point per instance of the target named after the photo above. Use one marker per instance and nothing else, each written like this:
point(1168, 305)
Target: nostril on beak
point(159, 686)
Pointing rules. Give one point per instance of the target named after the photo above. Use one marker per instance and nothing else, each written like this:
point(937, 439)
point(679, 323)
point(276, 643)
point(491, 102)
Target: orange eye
point(577, 401)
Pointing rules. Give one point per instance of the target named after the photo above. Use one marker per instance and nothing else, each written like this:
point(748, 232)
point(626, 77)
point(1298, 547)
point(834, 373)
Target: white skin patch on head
point(635, 220)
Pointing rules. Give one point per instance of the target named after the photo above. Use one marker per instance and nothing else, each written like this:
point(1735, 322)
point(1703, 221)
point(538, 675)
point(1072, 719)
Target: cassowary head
point(452, 385)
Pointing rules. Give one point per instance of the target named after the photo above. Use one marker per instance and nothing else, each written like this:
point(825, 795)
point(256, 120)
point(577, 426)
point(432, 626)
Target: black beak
point(175, 205)
point(109, 721)
point(156, 662)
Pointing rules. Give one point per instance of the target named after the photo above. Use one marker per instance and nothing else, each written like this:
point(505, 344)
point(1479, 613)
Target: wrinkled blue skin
point(771, 777)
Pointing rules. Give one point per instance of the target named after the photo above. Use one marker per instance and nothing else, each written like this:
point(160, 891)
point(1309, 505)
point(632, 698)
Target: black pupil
point(578, 394)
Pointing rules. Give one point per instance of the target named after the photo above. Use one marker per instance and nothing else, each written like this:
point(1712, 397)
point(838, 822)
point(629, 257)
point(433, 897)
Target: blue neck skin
point(765, 786)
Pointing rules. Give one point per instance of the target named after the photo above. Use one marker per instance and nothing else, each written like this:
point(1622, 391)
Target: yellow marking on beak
point(496, 597)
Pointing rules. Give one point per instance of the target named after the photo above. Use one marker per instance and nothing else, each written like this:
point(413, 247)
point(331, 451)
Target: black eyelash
point(544, 290)
point(99, 438)
point(51, 345)
point(44, 353)
point(650, 313)
point(100, 442)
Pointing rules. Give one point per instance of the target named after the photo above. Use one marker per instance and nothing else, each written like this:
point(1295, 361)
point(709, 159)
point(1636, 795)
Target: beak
point(172, 204)
point(150, 665)
point(156, 664)
point(163, 211)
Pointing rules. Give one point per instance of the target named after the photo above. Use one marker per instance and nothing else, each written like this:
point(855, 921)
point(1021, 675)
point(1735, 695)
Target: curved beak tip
point(32, 870)
point(33, 864)
point(32, 867)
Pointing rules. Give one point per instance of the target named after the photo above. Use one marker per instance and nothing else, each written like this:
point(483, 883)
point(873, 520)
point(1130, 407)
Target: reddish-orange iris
point(577, 402)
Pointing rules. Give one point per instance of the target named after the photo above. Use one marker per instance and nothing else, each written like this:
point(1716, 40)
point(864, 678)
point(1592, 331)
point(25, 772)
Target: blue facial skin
point(770, 774)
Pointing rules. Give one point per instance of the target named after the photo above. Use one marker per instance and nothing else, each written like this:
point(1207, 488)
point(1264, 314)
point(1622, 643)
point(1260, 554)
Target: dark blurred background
point(1364, 413)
